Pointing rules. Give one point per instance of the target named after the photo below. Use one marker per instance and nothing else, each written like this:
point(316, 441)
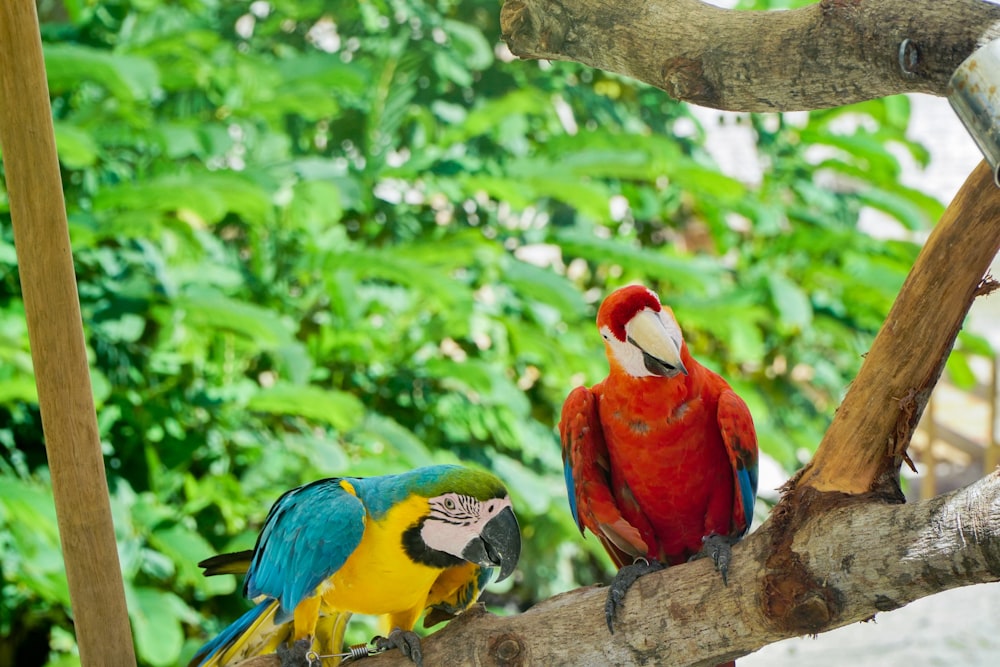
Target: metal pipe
point(974, 93)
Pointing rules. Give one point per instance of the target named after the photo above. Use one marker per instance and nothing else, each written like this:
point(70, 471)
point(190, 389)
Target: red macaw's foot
point(623, 581)
point(406, 641)
point(720, 549)
point(299, 654)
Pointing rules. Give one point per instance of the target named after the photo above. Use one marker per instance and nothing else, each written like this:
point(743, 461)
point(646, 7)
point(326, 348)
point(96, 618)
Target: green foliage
point(318, 238)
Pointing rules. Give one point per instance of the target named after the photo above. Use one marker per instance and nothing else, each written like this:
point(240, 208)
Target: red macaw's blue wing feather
point(740, 438)
point(307, 536)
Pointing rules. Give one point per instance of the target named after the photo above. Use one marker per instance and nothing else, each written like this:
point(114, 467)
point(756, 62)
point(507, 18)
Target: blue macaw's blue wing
point(308, 535)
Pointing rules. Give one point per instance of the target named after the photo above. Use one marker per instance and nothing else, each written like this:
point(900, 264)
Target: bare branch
point(832, 53)
point(864, 445)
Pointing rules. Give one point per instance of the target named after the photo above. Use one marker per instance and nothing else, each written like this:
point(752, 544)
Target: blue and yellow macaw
point(393, 545)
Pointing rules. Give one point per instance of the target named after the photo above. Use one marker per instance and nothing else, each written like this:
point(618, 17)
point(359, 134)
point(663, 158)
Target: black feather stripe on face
point(415, 548)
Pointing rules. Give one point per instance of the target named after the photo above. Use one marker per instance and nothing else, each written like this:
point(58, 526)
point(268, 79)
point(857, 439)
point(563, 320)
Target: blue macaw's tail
point(257, 633)
point(253, 633)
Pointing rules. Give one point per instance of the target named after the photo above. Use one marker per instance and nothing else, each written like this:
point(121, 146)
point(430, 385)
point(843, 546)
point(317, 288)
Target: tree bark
point(828, 54)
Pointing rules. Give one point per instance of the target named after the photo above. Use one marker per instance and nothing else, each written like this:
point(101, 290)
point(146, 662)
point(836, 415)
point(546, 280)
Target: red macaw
point(661, 456)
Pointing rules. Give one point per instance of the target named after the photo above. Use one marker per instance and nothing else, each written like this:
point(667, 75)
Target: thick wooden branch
point(862, 449)
point(685, 616)
point(832, 53)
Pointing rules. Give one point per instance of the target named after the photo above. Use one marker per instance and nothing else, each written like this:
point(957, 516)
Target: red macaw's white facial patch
point(651, 346)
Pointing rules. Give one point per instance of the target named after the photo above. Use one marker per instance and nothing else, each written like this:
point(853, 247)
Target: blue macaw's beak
point(498, 545)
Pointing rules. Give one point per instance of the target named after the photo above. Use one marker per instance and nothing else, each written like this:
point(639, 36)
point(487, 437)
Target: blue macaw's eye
point(449, 504)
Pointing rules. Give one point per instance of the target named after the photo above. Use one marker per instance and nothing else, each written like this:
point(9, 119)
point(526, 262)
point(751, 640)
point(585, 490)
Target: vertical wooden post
point(55, 329)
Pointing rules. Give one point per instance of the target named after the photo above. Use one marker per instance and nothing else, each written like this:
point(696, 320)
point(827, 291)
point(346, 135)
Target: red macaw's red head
point(641, 335)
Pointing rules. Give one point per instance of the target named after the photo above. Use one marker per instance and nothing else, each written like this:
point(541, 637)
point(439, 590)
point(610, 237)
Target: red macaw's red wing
point(740, 438)
point(586, 467)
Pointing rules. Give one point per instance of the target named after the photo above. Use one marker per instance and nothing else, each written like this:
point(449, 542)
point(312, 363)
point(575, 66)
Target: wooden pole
point(58, 350)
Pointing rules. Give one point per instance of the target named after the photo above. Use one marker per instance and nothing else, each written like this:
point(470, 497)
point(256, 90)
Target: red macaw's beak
point(660, 352)
point(498, 545)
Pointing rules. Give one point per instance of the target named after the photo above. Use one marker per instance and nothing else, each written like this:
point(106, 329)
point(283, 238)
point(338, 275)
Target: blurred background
point(321, 238)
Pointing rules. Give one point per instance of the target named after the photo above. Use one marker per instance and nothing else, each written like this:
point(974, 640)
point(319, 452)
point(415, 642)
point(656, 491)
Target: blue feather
point(308, 535)
point(230, 634)
point(571, 489)
point(746, 478)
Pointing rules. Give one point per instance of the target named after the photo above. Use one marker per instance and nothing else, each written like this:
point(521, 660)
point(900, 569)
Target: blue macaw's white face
point(652, 345)
point(456, 519)
point(460, 525)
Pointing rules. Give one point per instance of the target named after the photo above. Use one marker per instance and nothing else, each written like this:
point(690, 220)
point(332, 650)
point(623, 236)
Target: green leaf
point(449, 66)
point(77, 149)
point(528, 489)
point(692, 272)
point(28, 519)
point(315, 206)
point(900, 206)
point(208, 196)
point(972, 343)
point(469, 44)
point(19, 388)
point(400, 440)
point(337, 408)
point(126, 77)
point(207, 308)
point(185, 548)
point(792, 303)
point(545, 286)
point(157, 625)
point(959, 371)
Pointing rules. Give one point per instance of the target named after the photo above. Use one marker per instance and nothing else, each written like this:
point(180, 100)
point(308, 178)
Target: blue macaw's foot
point(299, 654)
point(720, 549)
point(623, 581)
point(406, 641)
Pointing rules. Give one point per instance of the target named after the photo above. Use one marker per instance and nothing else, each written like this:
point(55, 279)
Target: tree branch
point(828, 54)
point(863, 448)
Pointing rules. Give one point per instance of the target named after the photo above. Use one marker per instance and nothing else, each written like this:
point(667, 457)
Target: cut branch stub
point(831, 53)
